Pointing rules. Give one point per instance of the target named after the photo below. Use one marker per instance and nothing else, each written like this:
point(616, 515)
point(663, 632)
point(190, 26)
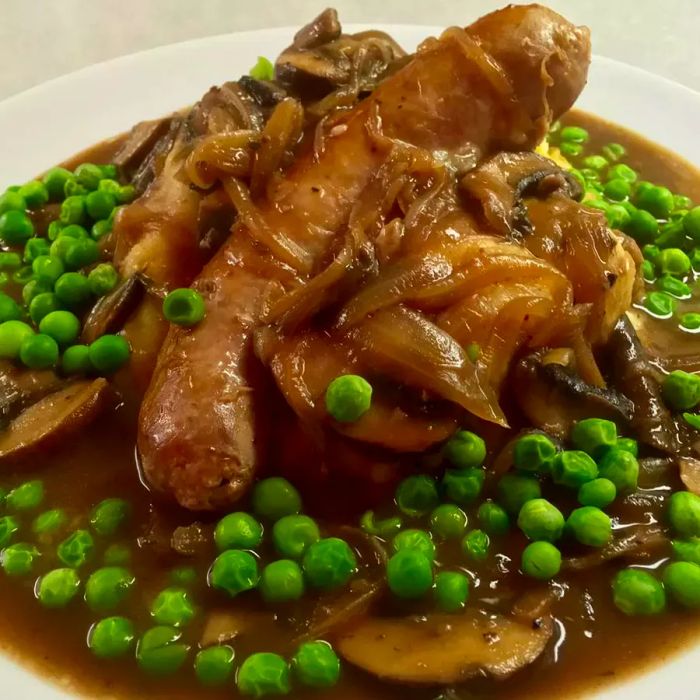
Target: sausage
point(201, 428)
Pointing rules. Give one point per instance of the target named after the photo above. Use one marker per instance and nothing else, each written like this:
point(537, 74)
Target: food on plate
point(372, 374)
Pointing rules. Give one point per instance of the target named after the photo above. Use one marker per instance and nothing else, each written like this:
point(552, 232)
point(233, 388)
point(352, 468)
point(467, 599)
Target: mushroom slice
point(53, 418)
point(441, 649)
point(111, 312)
point(140, 142)
point(690, 473)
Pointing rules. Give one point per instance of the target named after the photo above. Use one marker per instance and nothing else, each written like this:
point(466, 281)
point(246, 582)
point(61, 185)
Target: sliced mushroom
point(111, 312)
point(638, 542)
point(321, 30)
point(138, 145)
point(634, 376)
point(439, 649)
point(266, 93)
point(501, 183)
point(20, 388)
point(690, 473)
point(53, 418)
point(554, 397)
point(225, 625)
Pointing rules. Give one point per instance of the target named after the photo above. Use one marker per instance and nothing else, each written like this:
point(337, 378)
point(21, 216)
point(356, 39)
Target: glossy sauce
point(593, 644)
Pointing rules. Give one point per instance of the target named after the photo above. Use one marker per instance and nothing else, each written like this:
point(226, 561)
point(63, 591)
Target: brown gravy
point(594, 644)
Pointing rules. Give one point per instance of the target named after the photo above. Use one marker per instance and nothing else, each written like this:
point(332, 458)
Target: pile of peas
point(54, 275)
point(665, 225)
point(305, 559)
point(601, 467)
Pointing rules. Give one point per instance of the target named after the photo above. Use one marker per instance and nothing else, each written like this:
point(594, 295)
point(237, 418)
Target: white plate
point(51, 122)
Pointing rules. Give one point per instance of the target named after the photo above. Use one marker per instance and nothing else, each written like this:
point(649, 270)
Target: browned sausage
point(471, 91)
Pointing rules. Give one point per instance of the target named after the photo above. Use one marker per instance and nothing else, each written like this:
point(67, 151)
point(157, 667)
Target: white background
point(42, 39)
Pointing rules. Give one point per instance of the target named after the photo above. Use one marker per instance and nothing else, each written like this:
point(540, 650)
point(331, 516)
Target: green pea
point(622, 172)
point(27, 496)
point(99, 204)
point(55, 181)
point(416, 539)
point(316, 665)
point(9, 260)
point(673, 286)
point(574, 134)
point(185, 307)
point(570, 149)
point(684, 513)
point(72, 209)
point(23, 275)
point(463, 486)
point(294, 534)
point(329, 563)
point(534, 453)
point(109, 515)
point(274, 498)
point(618, 217)
point(448, 521)
point(687, 550)
point(159, 651)
point(594, 435)
point(648, 272)
point(417, 495)
point(263, 673)
point(263, 69)
point(8, 527)
point(621, 467)
point(658, 201)
point(72, 289)
point(101, 228)
point(409, 574)
point(62, 326)
point(89, 175)
point(637, 592)
point(691, 224)
point(111, 637)
point(12, 201)
point(238, 531)
point(110, 186)
point(108, 353)
point(48, 522)
point(540, 520)
point(380, 528)
point(73, 188)
point(595, 162)
point(106, 588)
point(76, 360)
point(35, 194)
point(476, 545)
point(281, 581)
point(451, 591)
point(39, 351)
point(642, 226)
point(590, 526)
point(628, 445)
point(348, 398)
point(465, 449)
point(599, 493)
point(690, 321)
point(35, 247)
point(32, 288)
point(617, 190)
point(82, 253)
point(15, 227)
point(680, 390)
point(102, 279)
point(659, 304)
point(18, 559)
point(673, 261)
point(541, 560)
point(572, 468)
point(493, 519)
point(57, 588)
point(514, 490)
point(682, 581)
point(213, 666)
point(76, 549)
point(173, 607)
point(47, 269)
point(183, 575)
point(234, 571)
point(42, 305)
point(9, 309)
point(671, 235)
